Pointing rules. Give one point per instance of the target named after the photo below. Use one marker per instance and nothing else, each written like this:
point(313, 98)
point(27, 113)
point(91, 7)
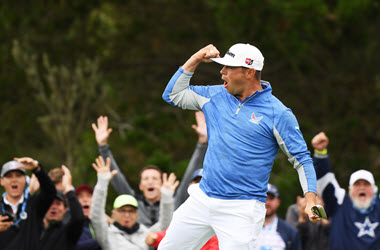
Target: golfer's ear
point(250, 73)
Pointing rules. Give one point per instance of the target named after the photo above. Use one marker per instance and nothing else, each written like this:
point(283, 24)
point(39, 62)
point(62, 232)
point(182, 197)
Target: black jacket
point(64, 236)
point(25, 235)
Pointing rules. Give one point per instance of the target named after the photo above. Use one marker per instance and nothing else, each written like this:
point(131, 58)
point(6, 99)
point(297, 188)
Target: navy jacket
point(289, 234)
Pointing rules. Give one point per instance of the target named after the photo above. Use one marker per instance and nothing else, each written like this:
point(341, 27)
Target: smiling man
point(356, 216)
point(126, 232)
point(56, 234)
point(22, 212)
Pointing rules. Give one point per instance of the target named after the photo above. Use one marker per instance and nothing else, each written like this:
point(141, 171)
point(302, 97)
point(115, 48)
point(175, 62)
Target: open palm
point(102, 132)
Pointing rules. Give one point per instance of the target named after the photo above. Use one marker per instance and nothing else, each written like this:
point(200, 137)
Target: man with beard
point(356, 216)
point(276, 233)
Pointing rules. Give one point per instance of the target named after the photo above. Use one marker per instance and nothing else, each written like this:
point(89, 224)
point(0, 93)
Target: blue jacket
point(351, 228)
point(244, 138)
point(87, 239)
point(289, 235)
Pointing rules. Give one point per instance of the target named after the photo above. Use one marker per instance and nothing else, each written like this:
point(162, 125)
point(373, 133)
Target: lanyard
point(23, 214)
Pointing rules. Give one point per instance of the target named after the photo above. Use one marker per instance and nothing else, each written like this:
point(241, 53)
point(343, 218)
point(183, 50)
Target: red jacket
point(212, 244)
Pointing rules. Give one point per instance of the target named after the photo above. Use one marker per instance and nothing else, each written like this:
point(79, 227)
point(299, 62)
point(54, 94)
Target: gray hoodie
point(110, 237)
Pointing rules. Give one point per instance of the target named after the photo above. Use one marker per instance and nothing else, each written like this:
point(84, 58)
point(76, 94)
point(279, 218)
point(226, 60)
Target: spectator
point(153, 239)
point(25, 211)
point(56, 234)
point(126, 232)
point(314, 236)
point(276, 233)
point(56, 175)
point(151, 176)
point(87, 239)
point(355, 216)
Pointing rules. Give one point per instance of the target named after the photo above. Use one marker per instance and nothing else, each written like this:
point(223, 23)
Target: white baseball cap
point(242, 55)
point(362, 175)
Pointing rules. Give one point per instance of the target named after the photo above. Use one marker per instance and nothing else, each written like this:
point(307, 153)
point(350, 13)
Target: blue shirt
point(244, 138)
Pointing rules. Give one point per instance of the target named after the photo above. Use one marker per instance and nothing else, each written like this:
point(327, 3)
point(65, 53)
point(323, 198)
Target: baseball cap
point(197, 173)
point(272, 189)
point(242, 55)
point(125, 200)
point(60, 196)
point(11, 166)
point(362, 175)
point(84, 188)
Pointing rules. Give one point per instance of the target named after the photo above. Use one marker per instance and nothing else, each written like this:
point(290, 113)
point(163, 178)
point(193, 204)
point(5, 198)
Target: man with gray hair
point(356, 216)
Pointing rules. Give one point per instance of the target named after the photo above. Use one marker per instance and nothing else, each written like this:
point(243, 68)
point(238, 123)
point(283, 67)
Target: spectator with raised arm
point(356, 215)
point(126, 232)
point(151, 176)
point(22, 212)
point(56, 234)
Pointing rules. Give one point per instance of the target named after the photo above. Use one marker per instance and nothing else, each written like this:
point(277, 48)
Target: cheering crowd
point(229, 205)
point(45, 211)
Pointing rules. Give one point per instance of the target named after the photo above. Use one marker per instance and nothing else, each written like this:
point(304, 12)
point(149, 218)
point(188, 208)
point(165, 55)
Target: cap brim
point(226, 61)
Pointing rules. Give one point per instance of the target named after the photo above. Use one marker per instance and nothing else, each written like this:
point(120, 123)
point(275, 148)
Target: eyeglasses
point(126, 211)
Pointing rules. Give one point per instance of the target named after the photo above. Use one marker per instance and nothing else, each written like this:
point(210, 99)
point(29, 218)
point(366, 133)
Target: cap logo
point(230, 54)
point(248, 61)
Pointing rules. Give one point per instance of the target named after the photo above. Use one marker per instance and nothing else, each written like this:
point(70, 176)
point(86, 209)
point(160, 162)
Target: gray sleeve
point(195, 162)
point(119, 182)
point(98, 218)
point(166, 211)
point(292, 215)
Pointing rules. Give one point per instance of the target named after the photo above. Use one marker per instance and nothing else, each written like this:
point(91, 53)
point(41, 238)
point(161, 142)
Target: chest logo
point(366, 228)
point(255, 120)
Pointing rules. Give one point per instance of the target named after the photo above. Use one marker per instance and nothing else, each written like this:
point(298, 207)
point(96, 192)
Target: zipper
point(241, 104)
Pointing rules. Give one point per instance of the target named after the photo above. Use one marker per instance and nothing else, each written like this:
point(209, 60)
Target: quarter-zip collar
point(267, 89)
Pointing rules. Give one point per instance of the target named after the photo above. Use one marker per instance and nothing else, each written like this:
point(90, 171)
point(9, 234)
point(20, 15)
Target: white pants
point(237, 223)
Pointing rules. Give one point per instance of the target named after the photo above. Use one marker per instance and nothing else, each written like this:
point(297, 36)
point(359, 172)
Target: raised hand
point(169, 183)
point(102, 167)
point(66, 180)
point(200, 128)
point(34, 184)
point(203, 55)
point(320, 141)
point(102, 132)
point(28, 163)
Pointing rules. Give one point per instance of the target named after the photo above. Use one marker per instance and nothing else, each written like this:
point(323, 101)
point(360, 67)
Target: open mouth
point(14, 187)
point(362, 195)
point(150, 189)
point(225, 84)
point(86, 207)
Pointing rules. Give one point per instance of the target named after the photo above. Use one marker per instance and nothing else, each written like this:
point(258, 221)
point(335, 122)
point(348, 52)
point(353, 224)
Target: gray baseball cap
point(11, 166)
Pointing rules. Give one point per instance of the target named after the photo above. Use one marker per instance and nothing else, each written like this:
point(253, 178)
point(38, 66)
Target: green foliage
point(76, 60)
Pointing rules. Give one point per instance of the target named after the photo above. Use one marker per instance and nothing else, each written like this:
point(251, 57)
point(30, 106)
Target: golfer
point(246, 126)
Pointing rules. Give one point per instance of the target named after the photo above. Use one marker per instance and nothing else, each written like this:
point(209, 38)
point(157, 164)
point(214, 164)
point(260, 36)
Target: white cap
point(362, 175)
point(242, 55)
